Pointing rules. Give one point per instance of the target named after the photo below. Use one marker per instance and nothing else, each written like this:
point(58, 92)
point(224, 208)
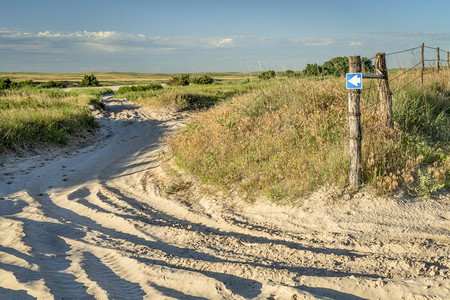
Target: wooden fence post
point(354, 116)
point(438, 60)
point(423, 62)
point(384, 92)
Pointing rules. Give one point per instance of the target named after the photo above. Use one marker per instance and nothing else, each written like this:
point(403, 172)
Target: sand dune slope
point(87, 223)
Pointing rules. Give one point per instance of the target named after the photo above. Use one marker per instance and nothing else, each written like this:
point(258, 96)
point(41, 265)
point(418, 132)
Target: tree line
point(87, 81)
point(337, 66)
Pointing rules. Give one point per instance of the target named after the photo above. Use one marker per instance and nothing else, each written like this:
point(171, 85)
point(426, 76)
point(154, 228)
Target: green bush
point(5, 83)
point(205, 79)
point(52, 84)
point(312, 70)
point(140, 88)
point(181, 79)
point(291, 74)
point(267, 74)
point(89, 80)
point(22, 84)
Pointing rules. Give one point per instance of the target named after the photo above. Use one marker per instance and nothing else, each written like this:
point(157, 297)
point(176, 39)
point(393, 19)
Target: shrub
point(267, 74)
point(22, 84)
point(89, 80)
point(291, 74)
point(312, 70)
point(5, 83)
point(140, 88)
point(205, 79)
point(52, 84)
point(181, 79)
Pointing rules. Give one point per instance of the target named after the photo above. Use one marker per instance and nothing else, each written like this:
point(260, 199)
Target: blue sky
point(207, 36)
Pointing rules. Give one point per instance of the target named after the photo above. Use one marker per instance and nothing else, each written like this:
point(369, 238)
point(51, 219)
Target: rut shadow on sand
point(115, 286)
point(329, 293)
point(158, 218)
point(168, 292)
point(244, 287)
point(230, 281)
point(14, 294)
point(49, 253)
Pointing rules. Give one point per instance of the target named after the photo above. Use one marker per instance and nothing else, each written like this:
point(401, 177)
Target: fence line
point(384, 100)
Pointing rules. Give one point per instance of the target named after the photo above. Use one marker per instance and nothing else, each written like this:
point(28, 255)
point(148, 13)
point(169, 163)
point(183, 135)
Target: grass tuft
point(31, 117)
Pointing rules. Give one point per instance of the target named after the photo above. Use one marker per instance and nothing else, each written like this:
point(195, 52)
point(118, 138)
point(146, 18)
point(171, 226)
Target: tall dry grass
point(283, 140)
point(291, 138)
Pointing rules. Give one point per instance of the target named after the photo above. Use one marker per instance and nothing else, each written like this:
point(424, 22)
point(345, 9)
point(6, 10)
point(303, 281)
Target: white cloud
point(222, 42)
point(89, 35)
point(315, 42)
point(354, 43)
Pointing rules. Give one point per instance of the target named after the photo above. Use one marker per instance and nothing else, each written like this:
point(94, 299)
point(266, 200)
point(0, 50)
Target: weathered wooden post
point(354, 116)
point(384, 92)
point(423, 62)
point(438, 59)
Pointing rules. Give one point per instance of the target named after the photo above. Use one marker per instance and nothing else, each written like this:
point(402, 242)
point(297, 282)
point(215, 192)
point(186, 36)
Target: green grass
point(188, 97)
point(31, 117)
point(290, 138)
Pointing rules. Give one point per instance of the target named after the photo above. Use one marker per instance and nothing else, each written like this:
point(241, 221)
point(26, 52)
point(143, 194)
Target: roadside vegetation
point(31, 117)
point(191, 96)
point(290, 138)
point(281, 135)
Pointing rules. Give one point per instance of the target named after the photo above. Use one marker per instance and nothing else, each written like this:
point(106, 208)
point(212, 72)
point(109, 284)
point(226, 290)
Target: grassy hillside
point(291, 138)
point(31, 116)
point(191, 96)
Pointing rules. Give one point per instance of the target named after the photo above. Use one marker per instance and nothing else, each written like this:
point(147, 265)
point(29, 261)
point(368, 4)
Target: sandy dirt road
point(90, 223)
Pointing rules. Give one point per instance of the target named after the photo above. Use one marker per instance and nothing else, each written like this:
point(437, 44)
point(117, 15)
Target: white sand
point(91, 222)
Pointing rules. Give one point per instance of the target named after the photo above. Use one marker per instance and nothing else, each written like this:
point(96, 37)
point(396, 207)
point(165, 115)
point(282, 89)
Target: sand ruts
point(87, 223)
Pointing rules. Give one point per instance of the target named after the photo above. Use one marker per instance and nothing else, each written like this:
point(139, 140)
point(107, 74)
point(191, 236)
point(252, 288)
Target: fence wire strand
point(370, 94)
point(405, 72)
point(398, 52)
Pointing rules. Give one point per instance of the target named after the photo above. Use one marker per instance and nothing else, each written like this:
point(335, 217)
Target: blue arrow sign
point(354, 80)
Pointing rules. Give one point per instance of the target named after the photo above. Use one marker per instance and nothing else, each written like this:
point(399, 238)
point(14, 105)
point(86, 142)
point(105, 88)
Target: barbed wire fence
point(377, 96)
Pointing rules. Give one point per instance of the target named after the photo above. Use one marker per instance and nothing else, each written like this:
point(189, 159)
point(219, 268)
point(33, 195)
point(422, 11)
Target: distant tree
point(368, 67)
point(180, 79)
point(291, 74)
point(267, 74)
point(5, 83)
point(89, 80)
point(312, 70)
point(205, 79)
point(328, 68)
point(336, 66)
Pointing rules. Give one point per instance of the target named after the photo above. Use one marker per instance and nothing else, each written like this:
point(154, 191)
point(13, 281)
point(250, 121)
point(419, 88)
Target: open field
point(112, 78)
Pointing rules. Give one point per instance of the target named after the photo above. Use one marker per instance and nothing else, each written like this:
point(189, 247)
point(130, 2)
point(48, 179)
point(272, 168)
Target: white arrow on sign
point(355, 80)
